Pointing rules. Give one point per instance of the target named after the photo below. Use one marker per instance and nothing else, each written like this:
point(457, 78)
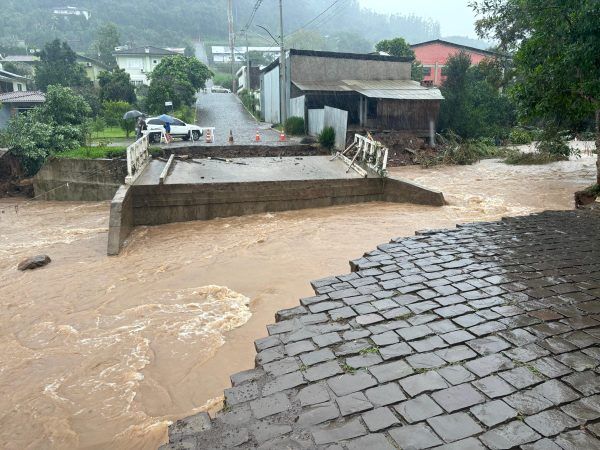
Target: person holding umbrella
point(167, 120)
point(142, 126)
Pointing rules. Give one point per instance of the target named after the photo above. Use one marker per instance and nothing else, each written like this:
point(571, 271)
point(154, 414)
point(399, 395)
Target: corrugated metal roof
point(330, 86)
point(23, 97)
point(390, 89)
point(394, 89)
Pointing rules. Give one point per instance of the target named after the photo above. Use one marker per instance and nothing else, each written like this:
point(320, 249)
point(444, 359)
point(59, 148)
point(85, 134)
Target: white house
point(71, 11)
point(11, 82)
point(138, 62)
point(222, 53)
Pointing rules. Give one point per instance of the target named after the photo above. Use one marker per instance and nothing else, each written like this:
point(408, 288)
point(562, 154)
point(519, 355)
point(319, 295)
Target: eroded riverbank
point(99, 351)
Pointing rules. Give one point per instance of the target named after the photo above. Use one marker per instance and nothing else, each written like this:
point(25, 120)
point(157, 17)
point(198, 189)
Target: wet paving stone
point(452, 427)
point(485, 336)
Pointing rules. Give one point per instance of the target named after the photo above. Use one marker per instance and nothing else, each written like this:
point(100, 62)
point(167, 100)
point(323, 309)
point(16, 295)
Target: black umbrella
point(134, 114)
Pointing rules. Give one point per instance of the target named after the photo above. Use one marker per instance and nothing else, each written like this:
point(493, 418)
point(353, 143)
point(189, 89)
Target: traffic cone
point(230, 136)
point(209, 137)
point(257, 137)
point(282, 137)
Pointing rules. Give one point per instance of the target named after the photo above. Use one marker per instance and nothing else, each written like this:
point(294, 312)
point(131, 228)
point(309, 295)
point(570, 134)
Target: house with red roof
point(434, 54)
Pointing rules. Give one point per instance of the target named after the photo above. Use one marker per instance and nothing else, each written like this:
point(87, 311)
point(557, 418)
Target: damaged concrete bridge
point(179, 190)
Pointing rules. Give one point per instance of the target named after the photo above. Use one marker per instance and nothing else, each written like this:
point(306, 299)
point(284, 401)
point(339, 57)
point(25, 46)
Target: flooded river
point(99, 352)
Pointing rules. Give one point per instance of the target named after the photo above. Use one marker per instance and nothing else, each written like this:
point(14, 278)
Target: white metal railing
point(137, 158)
point(372, 153)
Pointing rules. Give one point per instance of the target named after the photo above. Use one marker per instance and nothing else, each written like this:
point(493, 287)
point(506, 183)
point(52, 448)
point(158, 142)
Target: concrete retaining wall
point(159, 204)
point(87, 179)
point(121, 219)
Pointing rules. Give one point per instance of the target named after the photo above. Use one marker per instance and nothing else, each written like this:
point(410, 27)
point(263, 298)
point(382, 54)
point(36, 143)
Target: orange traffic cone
point(230, 136)
point(282, 137)
point(209, 137)
point(257, 137)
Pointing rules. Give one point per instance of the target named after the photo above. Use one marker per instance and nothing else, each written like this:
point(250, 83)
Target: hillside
point(178, 22)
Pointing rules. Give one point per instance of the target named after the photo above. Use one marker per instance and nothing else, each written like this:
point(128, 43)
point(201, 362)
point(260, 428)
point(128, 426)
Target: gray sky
point(455, 16)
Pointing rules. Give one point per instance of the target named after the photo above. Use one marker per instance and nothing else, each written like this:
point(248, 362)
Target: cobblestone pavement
point(485, 336)
point(225, 112)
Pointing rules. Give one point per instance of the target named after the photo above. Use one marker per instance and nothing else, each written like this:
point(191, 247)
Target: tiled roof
point(23, 97)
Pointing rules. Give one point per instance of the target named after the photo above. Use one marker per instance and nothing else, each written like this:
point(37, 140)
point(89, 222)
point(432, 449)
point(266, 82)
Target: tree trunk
point(598, 147)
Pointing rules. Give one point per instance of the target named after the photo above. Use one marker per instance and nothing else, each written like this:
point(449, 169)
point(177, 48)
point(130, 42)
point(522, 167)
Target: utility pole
point(282, 72)
point(231, 42)
point(248, 87)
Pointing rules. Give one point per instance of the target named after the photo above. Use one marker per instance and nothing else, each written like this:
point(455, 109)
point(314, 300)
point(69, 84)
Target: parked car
point(220, 90)
point(179, 129)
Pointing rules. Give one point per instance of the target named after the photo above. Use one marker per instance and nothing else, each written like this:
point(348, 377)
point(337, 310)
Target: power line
point(252, 15)
point(316, 17)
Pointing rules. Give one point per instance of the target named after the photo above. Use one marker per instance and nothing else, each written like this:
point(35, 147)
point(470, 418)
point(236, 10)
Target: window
point(155, 61)
point(426, 71)
point(178, 123)
point(155, 122)
point(19, 87)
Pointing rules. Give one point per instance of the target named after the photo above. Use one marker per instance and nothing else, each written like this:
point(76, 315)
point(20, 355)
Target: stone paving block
point(526, 353)
point(452, 311)
point(588, 408)
point(351, 335)
point(242, 393)
point(188, 426)
point(410, 333)
point(594, 428)
point(511, 435)
point(458, 397)
point(349, 383)
point(518, 336)
point(236, 416)
point(319, 413)
point(456, 374)
point(313, 394)
point(425, 361)
point(578, 361)
point(580, 339)
point(443, 326)
point(335, 433)
point(577, 440)
point(464, 444)
point(521, 377)
point(456, 353)
point(282, 366)
point(342, 313)
point(414, 437)
point(457, 337)
point(487, 328)
point(493, 386)
point(387, 338)
point(556, 392)
point(542, 444)
point(353, 403)
point(487, 365)
point(550, 422)
point(283, 383)
point(374, 441)
point(326, 340)
point(379, 419)
point(385, 394)
point(365, 360)
point(428, 344)
point(299, 347)
point(391, 371)
point(318, 356)
point(368, 319)
point(488, 345)
point(494, 412)
point(267, 406)
point(351, 348)
point(423, 382)
point(452, 427)
point(234, 438)
point(263, 431)
point(269, 355)
point(266, 342)
point(367, 310)
point(395, 351)
point(418, 409)
point(421, 307)
point(557, 345)
point(245, 376)
point(587, 383)
point(322, 371)
point(528, 402)
point(469, 320)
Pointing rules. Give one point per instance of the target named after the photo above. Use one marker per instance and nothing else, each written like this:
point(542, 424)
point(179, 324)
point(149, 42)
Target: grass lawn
point(111, 133)
point(93, 152)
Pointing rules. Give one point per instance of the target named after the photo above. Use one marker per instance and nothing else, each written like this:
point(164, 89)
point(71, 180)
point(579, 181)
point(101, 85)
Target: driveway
point(225, 112)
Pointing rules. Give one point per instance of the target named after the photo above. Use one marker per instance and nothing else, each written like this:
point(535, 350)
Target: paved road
point(485, 336)
point(225, 112)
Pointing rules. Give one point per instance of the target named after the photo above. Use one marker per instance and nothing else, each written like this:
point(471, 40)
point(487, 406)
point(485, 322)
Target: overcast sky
point(455, 16)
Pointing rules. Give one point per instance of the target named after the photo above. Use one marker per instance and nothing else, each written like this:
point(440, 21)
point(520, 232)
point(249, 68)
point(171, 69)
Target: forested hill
point(177, 22)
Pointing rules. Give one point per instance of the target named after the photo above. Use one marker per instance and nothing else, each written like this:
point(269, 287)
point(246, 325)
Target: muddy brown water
point(100, 351)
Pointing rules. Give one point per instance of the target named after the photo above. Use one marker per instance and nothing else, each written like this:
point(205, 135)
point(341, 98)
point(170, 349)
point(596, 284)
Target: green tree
point(113, 115)
point(556, 56)
point(58, 66)
point(348, 41)
point(306, 40)
point(107, 38)
point(61, 123)
point(176, 79)
point(116, 86)
point(395, 47)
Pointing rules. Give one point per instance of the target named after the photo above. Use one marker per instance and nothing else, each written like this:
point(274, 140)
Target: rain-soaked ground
point(98, 351)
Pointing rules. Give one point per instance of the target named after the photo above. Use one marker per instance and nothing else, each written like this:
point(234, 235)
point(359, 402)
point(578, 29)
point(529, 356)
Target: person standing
point(142, 126)
point(168, 132)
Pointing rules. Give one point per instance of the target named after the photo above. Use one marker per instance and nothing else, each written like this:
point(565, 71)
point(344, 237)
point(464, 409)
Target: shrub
point(327, 138)
point(185, 113)
point(249, 101)
point(518, 158)
point(520, 136)
point(553, 143)
point(294, 126)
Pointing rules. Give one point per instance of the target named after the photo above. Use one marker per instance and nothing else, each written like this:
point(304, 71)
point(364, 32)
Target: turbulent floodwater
point(100, 352)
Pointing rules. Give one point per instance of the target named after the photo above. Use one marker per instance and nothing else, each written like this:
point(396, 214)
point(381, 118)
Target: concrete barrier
point(79, 179)
point(245, 151)
point(121, 221)
point(166, 203)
